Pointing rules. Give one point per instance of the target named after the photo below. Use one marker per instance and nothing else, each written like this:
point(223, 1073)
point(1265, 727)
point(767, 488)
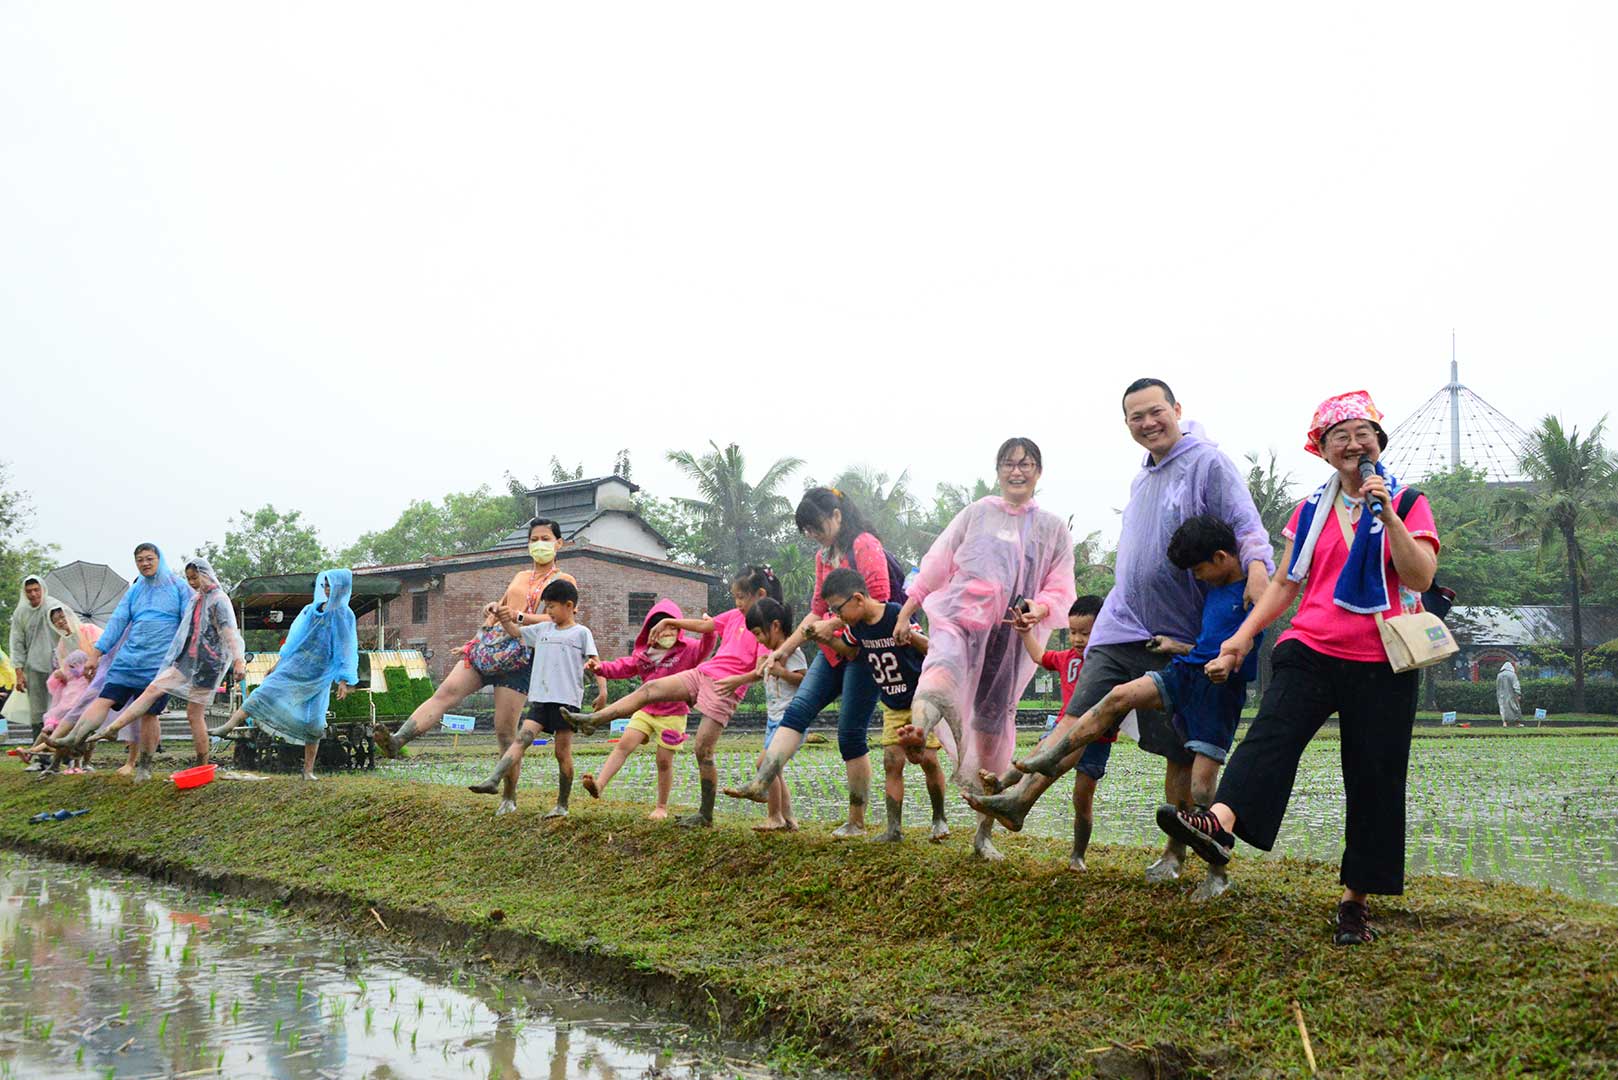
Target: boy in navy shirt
point(870, 637)
point(1205, 711)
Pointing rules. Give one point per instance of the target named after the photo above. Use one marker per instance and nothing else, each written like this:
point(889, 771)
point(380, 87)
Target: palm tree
point(738, 523)
point(1272, 495)
point(1574, 485)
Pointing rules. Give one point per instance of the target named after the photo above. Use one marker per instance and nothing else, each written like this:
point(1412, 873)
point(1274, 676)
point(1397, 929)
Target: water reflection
point(106, 975)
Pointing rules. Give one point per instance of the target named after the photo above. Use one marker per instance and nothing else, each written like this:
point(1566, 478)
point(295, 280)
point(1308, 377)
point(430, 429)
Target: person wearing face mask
point(494, 658)
point(660, 649)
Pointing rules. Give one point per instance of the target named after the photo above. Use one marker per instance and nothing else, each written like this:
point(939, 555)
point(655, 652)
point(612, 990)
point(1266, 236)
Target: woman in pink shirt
point(1331, 660)
point(834, 521)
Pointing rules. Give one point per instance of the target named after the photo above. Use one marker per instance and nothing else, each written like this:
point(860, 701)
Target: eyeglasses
point(836, 606)
point(1022, 465)
point(1343, 436)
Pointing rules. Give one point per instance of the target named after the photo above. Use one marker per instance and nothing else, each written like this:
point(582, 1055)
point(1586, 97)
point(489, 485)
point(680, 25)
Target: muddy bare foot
point(1165, 869)
point(771, 825)
point(1076, 864)
point(659, 813)
point(847, 830)
point(1005, 809)
point(487, 787)
point(1046, 760)
point(507, 806)
point(310, 776)
point(588, 782)
point(1212, 886)
point(757, 791)
point(982, 848)
point(126, 769)
point(555, 812)
point(991, 782)
point(695, 821)
point(143, 773)
point(385, 741)
point(939, 832)
point(582, 722)
point(891, 835)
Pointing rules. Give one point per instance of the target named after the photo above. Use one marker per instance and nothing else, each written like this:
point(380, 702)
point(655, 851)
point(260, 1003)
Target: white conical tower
point(1457, 427)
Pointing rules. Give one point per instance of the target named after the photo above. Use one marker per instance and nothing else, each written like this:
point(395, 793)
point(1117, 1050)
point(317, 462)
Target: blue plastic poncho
point(150, 610)
point(321, 648)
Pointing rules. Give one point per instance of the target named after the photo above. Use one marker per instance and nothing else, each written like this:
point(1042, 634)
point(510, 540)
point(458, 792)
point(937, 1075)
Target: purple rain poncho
point(991, 553)
point(321, 648)
point(206, 644)
point(1150, 595)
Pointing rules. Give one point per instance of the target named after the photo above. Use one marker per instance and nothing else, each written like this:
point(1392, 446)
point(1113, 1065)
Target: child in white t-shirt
point(771, 623)
point(561, 649)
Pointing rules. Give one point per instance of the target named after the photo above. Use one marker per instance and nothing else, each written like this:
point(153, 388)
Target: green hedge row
point(400, 699)
point(1552, 695)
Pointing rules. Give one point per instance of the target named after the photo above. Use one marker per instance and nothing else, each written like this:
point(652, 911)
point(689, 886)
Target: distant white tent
point(91, 589)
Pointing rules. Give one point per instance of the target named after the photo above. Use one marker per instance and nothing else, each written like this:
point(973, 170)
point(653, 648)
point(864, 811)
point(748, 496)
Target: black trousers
point(1377, 711)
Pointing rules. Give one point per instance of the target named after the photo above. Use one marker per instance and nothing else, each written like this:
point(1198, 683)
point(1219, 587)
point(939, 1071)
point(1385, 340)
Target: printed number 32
point(884, 668)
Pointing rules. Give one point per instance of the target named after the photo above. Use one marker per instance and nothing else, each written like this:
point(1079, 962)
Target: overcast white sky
point(338, 256)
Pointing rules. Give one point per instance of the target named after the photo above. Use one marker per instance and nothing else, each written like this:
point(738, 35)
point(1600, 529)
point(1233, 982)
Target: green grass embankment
point(898, 961)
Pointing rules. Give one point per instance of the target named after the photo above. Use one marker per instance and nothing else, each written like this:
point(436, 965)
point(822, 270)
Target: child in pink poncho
point(1002, 566)
point(660, 650)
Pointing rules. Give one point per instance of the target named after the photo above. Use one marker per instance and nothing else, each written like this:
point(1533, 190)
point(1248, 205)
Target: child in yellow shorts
point(870, 636)
point(657, 652)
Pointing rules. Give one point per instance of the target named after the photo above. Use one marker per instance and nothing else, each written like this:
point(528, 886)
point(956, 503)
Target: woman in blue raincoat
point(321, 648)
point(143, 626)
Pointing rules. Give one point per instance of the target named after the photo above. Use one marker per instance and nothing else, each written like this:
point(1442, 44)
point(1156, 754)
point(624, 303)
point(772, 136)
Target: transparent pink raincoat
point(991, 555)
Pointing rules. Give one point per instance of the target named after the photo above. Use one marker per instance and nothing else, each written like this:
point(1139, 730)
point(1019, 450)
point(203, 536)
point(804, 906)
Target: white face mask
point(667, 641)
point(542, 551)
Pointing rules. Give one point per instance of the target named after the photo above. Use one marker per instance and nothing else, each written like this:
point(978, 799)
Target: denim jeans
point(823, 684)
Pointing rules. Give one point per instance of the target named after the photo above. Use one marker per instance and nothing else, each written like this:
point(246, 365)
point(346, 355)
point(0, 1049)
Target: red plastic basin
point(195, 776)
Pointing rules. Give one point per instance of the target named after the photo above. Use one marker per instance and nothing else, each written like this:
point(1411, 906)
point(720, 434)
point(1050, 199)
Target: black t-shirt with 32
point(895, 667)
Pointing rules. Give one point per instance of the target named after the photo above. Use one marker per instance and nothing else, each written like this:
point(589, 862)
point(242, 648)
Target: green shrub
point(1552, 695)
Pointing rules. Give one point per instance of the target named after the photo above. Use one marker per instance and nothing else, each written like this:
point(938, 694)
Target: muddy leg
point(1176, 792)
point(508, 760)
point(1204, 782)
point(310, 750)
point(981, 847)
point(665, 783)
point(596, 783)
point(461, 682)
point(1009, 808)
point(782, 747)
point(934, 774)
point(1084, 790)
point(508, 704)
point(563, 746)
point(893, 793)
point(199, 730)
point(235, 721)
point(707, 736)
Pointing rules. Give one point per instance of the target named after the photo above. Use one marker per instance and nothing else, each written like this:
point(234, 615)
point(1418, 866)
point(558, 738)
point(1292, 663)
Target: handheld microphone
point(1368, 470)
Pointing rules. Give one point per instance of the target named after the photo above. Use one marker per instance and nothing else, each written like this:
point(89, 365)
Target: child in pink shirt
point(738, 655)
point(661, 649)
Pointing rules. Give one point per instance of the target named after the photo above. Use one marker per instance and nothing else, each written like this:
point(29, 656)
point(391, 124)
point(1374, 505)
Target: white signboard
point(453, 722)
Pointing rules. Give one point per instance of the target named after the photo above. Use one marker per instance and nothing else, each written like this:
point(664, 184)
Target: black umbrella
point(91, 589)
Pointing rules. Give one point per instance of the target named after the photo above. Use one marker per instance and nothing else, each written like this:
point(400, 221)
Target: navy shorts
point(1094, 762)
point(1205, 712)
point(548, 715)
point(518, 680)
point(121, 695)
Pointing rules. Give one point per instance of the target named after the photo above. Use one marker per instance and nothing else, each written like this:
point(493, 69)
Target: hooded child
point(659, 650)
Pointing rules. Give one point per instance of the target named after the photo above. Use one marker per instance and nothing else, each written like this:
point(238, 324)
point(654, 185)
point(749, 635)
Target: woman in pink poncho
point(1001, 566)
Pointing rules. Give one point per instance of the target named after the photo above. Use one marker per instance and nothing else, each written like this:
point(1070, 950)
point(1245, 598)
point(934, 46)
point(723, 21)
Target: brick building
point(620, 562)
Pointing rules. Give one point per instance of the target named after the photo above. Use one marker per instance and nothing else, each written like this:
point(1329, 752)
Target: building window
point(418, 607)
point(640, 606)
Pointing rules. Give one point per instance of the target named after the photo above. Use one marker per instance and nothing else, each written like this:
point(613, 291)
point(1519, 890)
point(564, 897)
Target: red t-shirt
point(1335, 631)
point(1067, 664)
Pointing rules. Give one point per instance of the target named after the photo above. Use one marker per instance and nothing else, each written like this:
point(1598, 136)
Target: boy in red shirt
point(1067, 663)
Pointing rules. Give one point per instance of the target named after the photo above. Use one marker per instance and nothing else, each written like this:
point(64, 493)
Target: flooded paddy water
point(1538, 810)
point(104, 974)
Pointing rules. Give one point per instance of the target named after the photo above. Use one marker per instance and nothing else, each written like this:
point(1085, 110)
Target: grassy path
point(907, 961)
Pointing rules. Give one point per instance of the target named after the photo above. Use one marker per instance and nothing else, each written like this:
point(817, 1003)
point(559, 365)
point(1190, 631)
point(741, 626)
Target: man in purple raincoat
point(1153, 604)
